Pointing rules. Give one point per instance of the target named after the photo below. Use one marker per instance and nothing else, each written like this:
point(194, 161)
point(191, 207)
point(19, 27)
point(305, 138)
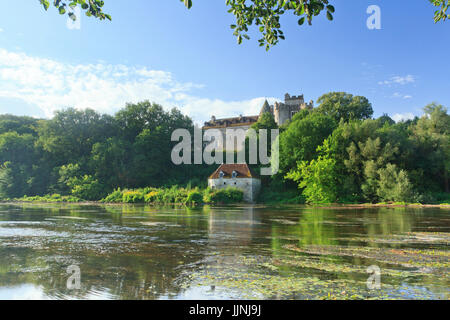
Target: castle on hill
point(281, 111)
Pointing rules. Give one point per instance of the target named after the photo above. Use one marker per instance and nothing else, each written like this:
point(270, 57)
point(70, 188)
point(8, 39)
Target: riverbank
point(177, 196)
point(341, 206)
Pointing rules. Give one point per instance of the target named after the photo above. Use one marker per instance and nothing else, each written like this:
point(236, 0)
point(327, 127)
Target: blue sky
point(159, 50)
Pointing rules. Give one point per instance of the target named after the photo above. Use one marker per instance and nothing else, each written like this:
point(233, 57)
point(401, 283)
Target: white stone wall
point(222, 145)
point(250, 186)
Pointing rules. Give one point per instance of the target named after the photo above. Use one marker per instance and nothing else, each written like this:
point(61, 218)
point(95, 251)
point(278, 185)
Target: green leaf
point(188, 3)
point(329, 16)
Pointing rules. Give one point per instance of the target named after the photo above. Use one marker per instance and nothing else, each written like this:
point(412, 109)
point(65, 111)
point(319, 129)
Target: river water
point(233, 252)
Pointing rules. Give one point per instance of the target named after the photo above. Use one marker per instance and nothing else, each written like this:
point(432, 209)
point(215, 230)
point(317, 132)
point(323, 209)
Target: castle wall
point(221, 145)
point(282, 113)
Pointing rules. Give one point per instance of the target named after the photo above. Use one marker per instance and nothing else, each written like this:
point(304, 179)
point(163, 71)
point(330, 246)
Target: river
point(65, 251)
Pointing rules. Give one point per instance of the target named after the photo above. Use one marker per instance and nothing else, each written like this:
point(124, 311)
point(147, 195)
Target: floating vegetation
point(142, 252)
point(307, 277)
point(333, 272)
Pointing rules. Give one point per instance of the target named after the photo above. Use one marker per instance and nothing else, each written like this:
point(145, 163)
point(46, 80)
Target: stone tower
point(285, 111)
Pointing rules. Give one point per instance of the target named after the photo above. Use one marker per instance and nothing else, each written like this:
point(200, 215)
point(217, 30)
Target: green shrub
point(86, 188)
point(49, 198)
point(318, 179)
point(394, 185)
point(226, 196)
point(152, 196)
point(115, 197)
point(194, 197)
point(133, 196)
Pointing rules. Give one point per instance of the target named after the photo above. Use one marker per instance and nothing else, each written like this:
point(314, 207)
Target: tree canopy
point(264, 14)
point(333, 153)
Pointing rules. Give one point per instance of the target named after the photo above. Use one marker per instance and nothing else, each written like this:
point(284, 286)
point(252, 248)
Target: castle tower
point(283, 112)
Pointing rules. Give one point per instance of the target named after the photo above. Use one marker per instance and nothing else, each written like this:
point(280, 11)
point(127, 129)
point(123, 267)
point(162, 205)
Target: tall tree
point(70, 135)
point(301, 138)
point(345, 106)
point(431, 135)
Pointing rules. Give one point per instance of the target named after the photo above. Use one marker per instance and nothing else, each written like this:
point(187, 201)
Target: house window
point(221, 174)
point(234, 174)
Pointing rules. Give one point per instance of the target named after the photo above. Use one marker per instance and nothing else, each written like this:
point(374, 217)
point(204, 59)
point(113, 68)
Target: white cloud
point(52, 85)
point(398, 117)
point(401, 80)
point(403, 96)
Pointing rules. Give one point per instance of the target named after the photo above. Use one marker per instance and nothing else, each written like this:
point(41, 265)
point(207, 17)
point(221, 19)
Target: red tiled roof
point(242, 169)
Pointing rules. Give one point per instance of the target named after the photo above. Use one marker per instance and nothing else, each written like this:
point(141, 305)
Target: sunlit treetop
point(264, 14)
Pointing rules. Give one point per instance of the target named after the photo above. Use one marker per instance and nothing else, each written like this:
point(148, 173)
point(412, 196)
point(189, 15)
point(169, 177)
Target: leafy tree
point(318, 179)
point(66, 174)
point(332, 154)
point(265, 14)
point(16, 160)
point(267, 122)
point(86, 188)
point(431, 138)
point(71, 134)
point(345, 106)
point(364, 160)
point(82, 186)
point(147, 128)
point(112, 156)
point(301, 138)
point(359, 150)
point(441, 14)
point(21, 125)
point(386, 119)
point(92, 8)
point(394, 185)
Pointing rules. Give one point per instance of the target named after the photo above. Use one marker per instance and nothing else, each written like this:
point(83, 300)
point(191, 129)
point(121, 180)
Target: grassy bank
point(198, 196)
point(175, 195)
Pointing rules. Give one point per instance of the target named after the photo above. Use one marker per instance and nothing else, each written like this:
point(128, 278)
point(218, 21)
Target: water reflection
point(143, 252)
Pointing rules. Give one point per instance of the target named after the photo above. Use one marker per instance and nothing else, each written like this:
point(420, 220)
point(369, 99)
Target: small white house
point(237, 176)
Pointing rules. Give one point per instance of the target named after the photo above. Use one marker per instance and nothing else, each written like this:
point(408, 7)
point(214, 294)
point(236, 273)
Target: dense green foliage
point(228, 195)
point(369, 160)
point(441, 14)
point(92, 8)
point(264, 14)
point(333, 153)
point(88, 155)
point(50, 198)
point(175, 195)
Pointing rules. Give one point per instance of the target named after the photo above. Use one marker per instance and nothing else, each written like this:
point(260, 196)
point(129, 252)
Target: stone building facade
point(281, 111)
point(284, 112)
point(237, 176)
